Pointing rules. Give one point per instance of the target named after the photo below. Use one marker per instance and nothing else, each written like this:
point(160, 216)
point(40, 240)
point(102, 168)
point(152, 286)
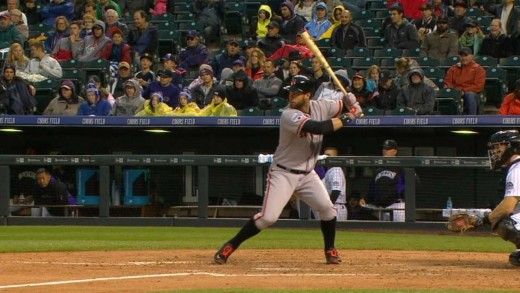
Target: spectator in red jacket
point(411, 7)
point(511, 103)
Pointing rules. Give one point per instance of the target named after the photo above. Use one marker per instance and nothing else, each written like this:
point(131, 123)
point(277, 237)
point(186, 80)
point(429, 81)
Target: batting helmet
point(498, 156)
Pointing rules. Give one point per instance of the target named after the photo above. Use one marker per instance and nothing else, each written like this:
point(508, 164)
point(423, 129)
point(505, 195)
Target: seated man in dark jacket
point(51, 191)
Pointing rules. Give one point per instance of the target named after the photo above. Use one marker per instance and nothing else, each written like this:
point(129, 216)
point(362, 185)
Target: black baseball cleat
point(332, 256)
point(514, 258)
point(223, 253)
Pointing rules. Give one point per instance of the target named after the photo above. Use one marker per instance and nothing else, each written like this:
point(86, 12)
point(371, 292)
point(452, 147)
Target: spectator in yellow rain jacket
point(186, 106)
point(336, 21)
point(219, 105)
point(155, 106)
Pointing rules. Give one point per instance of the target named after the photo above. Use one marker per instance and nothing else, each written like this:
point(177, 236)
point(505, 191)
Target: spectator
point(238, 65)
point(103, 91)
point(330, 91)
point(210, 14)
point(57, 8)
point(473, 37)
point(496, 43)
point(169, 91)
point(50, 191)
point(70, 47)
point(459, 20)
point(119, 50)
point(442, 42)
point(356, 211)
point(386, 189)
point(291, 24)
point(425, 24)
point(66, 103)
point(88, 23)
point(298, 51)
point(417, 95)
point(159, 8)
point(348, 35)
point(411, 8)
point(186, 106)
point(272, 41)
point(129, 7)
point(401, 34)
point(170, 63)
point(359, 89)
point(8, 32)
point(268, 86)
point(258, 27)
point(372, 78)
point(318, 76)
point(440, 8)
point(16, 57)
point(511, 103)
point(31, 12)
point(16, 19)
point(94, 105)
point(403, 67)
point(97, 45)
point(195, 53)
point(61, 30)
point(155, 106)
point(202, 93)
point(13, 6)
point(242, 95)
point(42, 63)
point(131, 102)
point(103, 5)
point(295, 68)
point(89, 9)
point(515, 41)
point(469, 77)
point(508, 14)
point(386, 99)
point(226, 58)
point(219, 106)
point(305, 8)
point(112, 21)
point(144, 38)
point(15, 98)
point(320, 22)
point(255, 64)
point(124, 73)
point(336, 21)
point(146, 75)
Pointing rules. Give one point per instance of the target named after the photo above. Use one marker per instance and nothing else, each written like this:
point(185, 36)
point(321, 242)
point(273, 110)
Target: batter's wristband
point(345, 119)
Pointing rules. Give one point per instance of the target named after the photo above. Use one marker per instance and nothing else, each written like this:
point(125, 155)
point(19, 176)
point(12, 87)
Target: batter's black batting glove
point(346, 118)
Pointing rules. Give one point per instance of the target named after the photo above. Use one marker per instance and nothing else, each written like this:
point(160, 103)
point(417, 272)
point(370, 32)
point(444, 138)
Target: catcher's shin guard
point(514, 258)
point(505, 227)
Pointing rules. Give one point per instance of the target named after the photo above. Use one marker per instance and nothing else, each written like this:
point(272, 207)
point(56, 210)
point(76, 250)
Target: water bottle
point(449, 204)
point(21, 199)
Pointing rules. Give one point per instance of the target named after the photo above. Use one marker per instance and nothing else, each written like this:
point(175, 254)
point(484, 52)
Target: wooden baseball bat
point(317, 53)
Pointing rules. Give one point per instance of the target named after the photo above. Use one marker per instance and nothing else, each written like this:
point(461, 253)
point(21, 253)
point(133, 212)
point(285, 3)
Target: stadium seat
point(273, 112)
point(387, 53)
point(448, 102)
point(338, 62)
point(495, 88)
point(415, 52)
point(511, 65)
point(166, 17)
point(402, 111)
point(473, 12)
point(253, 111)
point(372, 111)
point(336, 52)
point(376, 43)
point(359, 52)
point(279, 102)
point(387, 63)
point(486, 61)
point(169, 42)
point(360, 64)
point(363, 14)
point(427, 61)
point(448, 62)
point(370, 23)
point(436, 75)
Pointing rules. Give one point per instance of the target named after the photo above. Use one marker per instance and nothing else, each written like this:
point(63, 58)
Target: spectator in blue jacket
point(320, 22)
point(227, 58)
point(144, 38)
point(57, 8)
point(169, 91)
point(195, 53)
point(94, 105)
point(8, 32)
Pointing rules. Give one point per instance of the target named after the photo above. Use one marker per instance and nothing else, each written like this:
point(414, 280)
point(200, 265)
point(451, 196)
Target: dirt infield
point(149, 271)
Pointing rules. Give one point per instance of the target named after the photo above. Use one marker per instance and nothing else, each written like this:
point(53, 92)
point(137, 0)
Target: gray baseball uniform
point(292, 169)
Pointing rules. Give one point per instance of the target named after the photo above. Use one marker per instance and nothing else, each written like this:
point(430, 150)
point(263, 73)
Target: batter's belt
point(299, 172)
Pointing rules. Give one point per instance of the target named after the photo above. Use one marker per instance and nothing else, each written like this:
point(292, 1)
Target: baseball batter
point(302, 127)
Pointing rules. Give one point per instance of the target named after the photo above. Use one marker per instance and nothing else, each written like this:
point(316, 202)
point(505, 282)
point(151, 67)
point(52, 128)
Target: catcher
point(504, 152)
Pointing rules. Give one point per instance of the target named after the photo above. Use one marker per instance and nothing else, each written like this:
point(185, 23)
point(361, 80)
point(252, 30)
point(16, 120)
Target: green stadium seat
point(448, 102)
point(279, 102)
point(495, 88)
point(372, 111)
point(253, 111)
point(401, 111)
point(273, 112)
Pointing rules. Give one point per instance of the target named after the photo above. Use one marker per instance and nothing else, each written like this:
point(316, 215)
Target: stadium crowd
point(229, 58)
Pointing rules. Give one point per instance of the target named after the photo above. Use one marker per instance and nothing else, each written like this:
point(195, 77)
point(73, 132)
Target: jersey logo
point(509, 186)
point(297, 117)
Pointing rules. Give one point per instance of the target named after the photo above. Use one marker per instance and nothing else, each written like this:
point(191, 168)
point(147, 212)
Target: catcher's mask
point(498, 155)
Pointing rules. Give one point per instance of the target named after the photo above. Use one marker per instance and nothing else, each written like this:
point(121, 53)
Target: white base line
point(166, 275)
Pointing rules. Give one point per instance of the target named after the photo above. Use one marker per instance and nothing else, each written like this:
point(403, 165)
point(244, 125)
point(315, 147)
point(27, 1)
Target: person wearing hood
point(242, 95)
point(330, 91)
point(258, 27)
point(417, 95)
point(186, 106)
point(66, 103)
point(320, 22)
point(94, 105)
point(291, 24)
point(169, 91)
point(131, 102)
point(155, 106)
point(15, 98)
point(202, 88)
point(359, 89)
point(348, 35)
point(219, 107)
point(273, 41)
point(70, 47)
point(97, 45)
point(305, 8)
point(401, 34)
point(336, 21)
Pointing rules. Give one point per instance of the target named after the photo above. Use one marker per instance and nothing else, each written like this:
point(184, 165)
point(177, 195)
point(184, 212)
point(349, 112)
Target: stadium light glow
point(10, 130)
point(464, 132)
point(156, 131)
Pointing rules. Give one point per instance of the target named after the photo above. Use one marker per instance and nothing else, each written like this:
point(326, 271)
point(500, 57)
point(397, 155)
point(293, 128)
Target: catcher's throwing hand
point(463, 221)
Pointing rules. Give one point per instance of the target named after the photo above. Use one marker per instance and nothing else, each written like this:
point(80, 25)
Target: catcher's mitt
point(463, 221)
